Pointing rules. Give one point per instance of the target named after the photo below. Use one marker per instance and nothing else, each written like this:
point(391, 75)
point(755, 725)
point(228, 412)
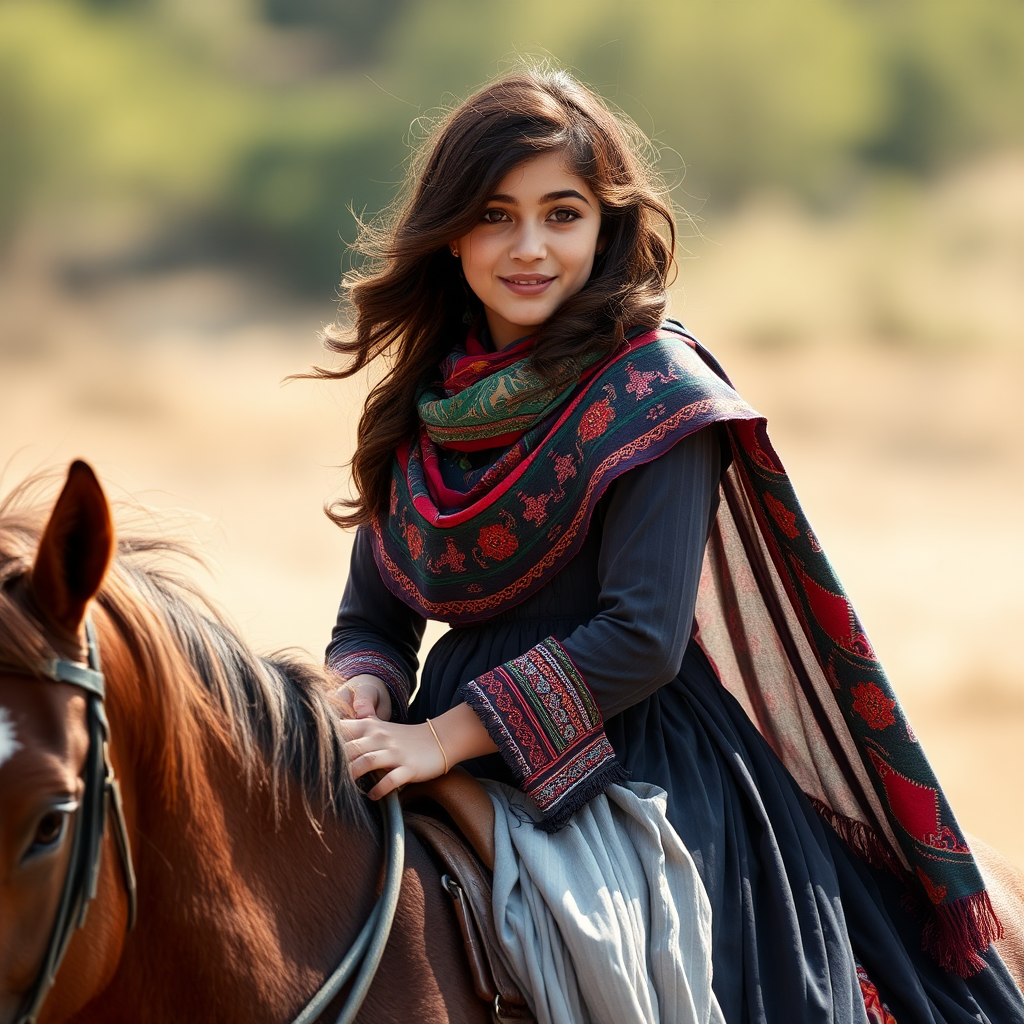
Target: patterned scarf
point(489, 399)
point(772, 615)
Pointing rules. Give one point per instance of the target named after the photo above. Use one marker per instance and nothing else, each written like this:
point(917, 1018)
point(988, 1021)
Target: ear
point(74, 553)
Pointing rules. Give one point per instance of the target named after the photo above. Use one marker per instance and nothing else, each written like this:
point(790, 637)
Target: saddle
point(454, 819)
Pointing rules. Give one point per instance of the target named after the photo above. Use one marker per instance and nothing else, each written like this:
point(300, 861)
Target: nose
point(528, 245)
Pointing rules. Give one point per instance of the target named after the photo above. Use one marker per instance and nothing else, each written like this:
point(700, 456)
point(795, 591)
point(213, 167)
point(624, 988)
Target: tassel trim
point(958, 932)
point(865, 842)
point(955, 934)
point(611, 773)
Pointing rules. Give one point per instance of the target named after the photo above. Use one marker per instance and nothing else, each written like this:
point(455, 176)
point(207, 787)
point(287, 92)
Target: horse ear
point(75, 551)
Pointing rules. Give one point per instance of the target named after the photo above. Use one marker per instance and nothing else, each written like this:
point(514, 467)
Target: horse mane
point(192, 677)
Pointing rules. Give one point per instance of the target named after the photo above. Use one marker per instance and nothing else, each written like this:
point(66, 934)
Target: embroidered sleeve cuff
point(372, 663)
point(548, 728)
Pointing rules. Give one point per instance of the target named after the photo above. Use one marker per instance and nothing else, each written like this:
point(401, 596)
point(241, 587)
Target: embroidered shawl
point(772, 616)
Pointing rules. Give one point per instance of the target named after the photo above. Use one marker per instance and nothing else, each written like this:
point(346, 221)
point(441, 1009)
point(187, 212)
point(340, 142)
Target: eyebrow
point(551, 197)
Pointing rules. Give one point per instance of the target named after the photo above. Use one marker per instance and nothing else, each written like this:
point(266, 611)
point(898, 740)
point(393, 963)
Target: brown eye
point(49, 832)
point(49, 829)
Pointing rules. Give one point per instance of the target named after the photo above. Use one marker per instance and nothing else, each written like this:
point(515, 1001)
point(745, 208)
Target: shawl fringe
point(860, 837)
point(954, 934)
point(958, 932)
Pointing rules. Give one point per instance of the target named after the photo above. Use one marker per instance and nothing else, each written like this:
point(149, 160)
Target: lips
point(526, 284)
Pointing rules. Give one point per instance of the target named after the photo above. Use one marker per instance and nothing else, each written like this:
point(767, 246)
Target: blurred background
point(179, 178)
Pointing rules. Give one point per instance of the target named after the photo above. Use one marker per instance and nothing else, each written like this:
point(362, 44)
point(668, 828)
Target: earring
point(455, 249)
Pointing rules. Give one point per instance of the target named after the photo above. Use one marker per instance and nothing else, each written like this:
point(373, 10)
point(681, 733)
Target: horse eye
point(49, 833)
point(50, 828)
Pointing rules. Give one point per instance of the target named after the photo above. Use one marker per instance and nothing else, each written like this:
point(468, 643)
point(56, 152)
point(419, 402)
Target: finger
point(353, 728)
point(373, 760)
point(344, 696)
point(392, 781)
point(363, 707)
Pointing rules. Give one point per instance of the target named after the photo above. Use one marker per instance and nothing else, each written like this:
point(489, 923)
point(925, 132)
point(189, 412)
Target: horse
point(255, 858)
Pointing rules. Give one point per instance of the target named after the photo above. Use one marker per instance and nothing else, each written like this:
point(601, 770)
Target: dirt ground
point(886, 350)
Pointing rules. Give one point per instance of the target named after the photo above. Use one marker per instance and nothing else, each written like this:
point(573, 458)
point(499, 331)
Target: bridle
point(102, 797)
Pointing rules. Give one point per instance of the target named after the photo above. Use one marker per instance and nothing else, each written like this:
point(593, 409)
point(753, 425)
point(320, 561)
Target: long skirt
point(795, 910)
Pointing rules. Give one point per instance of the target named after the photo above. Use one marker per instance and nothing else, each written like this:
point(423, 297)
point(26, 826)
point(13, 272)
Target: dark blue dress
point(793, 906)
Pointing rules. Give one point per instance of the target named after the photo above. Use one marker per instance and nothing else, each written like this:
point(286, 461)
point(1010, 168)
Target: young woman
point(547, 466)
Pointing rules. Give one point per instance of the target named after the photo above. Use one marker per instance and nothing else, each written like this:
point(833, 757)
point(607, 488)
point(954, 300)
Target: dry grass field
point(887, 351)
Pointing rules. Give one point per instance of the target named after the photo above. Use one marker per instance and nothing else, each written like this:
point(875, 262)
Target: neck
point(503, 334)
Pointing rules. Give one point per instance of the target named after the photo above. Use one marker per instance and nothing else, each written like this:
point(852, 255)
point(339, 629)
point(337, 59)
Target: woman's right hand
point(367, 696)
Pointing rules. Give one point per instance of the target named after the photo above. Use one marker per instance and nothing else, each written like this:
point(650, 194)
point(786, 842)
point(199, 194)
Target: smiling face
point(533, 248)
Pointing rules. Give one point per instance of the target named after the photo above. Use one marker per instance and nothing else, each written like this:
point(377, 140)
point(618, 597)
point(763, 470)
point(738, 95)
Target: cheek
point(480, 248)
point(581, 257)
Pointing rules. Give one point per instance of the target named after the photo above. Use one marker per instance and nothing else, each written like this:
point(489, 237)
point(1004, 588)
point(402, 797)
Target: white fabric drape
point(605, 921)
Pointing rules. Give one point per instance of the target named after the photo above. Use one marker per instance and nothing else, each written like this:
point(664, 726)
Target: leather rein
point(102, 797)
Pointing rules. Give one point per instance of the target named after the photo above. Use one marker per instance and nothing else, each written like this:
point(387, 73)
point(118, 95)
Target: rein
point(103, 796)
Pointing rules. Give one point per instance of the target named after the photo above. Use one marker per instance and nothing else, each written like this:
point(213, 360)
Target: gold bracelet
point(430, 724)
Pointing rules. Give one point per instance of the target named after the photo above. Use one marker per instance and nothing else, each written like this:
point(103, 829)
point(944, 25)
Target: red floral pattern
point(639, 383)
point(451, 558)
point(565, 467)
point(871, 703)
point(594, 422)
point(535, 508)
point(497, 542)
point(878, 1012)
point(414, 541)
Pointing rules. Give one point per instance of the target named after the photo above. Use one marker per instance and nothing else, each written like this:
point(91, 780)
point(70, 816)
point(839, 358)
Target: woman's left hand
point(406, 753)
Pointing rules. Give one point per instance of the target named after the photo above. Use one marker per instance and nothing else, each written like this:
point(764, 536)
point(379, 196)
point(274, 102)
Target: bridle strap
point(102, 796)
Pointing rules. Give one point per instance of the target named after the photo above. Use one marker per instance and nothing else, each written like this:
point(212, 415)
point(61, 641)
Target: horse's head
point(45, 747)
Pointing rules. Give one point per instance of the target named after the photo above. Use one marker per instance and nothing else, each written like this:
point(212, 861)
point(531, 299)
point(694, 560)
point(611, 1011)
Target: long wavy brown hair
point(410, 299)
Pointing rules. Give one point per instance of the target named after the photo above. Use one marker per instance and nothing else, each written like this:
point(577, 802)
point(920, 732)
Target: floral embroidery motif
point(497, 542)
point(393, 507)
point(936, 893)
point(656, 412)
point(414, 541)
point(639, 383)
point(873, 706)
point(595, 420)
point(535, 508)
point(452, 558)
point(565, 467)
point(782, 515)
